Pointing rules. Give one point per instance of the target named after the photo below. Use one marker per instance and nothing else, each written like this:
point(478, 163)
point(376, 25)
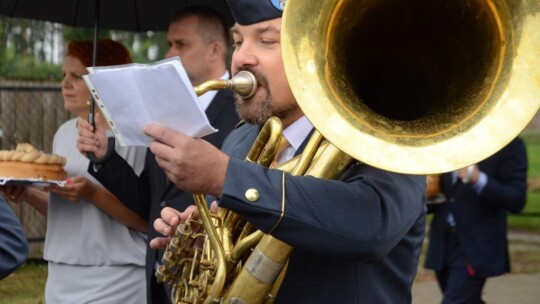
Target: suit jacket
point(481, 219)
point(355, 241)
point(13, 244)
point(150, 192)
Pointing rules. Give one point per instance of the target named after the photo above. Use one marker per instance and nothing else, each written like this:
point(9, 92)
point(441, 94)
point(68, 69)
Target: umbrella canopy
point(132, 15)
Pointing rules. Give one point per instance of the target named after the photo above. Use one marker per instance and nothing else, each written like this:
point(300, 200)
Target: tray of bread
point(26, 165)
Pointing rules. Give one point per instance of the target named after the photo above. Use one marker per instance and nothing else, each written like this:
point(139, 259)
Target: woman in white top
point(95, 246)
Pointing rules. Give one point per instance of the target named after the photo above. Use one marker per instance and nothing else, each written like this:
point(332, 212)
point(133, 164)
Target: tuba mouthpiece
point(244, 84)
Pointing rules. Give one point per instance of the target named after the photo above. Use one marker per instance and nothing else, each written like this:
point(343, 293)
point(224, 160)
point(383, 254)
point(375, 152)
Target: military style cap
point(247, 12)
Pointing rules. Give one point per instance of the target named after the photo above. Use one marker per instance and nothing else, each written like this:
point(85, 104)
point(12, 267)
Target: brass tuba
point(415, 86)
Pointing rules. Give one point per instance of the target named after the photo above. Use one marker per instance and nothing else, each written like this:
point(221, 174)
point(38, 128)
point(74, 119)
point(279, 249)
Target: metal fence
point(30, 113)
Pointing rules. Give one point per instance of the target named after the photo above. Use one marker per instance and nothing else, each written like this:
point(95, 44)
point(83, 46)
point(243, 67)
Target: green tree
point(31, 49)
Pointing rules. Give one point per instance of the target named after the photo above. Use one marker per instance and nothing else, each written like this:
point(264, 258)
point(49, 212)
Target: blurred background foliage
point(34, 50)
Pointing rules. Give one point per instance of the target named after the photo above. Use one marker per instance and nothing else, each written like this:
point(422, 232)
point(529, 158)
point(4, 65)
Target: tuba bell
point(415, 86)
point(418, 87)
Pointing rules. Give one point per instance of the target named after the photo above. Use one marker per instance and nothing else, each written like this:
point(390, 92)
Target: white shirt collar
point(206, 98)
point(296, 133)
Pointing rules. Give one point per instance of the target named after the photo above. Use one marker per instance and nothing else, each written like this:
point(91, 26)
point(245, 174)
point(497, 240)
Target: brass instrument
point(197, 272)
point(416, 87)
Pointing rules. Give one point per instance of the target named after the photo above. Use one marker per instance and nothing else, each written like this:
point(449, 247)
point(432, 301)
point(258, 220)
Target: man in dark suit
point(467, 242)
point(200, 38)
point(355, 240)
point(13, 244)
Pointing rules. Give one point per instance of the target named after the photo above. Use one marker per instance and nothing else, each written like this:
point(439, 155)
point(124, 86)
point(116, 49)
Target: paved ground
point(509, 288)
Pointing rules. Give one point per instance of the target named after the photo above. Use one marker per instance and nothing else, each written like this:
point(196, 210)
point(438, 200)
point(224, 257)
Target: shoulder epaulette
point(239, 124)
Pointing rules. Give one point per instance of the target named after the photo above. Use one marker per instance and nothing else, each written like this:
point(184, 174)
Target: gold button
point(252, 195)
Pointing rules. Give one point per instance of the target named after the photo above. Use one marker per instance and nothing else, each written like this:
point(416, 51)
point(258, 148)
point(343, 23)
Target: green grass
point(529, 218)
point(26, 285)
point(532, 141)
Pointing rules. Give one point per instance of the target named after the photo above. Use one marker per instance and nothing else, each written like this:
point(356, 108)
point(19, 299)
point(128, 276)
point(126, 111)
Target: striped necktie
point(283, 144)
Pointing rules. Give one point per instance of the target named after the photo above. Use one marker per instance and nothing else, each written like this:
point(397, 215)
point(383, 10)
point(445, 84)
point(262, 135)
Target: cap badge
point(279, 4)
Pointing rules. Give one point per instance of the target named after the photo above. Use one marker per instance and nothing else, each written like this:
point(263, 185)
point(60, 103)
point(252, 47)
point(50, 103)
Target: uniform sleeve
point(363, 216)
point(121, 180)
point(13, 243)
point(507, 187)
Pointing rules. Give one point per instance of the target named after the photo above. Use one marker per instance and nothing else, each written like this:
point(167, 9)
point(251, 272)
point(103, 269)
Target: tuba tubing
point(208, 284)
point(258, 280)
point(244, 84)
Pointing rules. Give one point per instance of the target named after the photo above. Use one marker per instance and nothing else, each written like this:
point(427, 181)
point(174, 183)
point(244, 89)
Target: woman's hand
point(76, 189)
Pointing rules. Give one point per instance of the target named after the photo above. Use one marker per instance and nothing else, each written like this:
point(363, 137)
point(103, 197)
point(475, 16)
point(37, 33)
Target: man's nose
point(168, 54)
point(244, 56)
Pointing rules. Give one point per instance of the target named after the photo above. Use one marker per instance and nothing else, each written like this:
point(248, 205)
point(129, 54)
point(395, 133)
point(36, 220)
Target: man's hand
point(169, 221)
point(469, 174)
point(15, 194)
point(193, 164)
point(90, 141)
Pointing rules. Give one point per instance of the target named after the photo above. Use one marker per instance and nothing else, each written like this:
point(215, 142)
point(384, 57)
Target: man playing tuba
point(355, 240)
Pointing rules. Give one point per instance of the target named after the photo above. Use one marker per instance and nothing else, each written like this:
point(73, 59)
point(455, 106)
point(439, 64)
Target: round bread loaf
point(27, 162)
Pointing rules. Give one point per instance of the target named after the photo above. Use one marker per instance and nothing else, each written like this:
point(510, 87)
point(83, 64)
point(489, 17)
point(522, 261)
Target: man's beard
point(259, 111)
point(254, 111)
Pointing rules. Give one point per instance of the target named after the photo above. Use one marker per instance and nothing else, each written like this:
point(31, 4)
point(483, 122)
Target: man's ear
point(216, 51)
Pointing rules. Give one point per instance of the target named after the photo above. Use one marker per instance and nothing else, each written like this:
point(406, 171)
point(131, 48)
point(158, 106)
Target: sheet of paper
point(131, 96)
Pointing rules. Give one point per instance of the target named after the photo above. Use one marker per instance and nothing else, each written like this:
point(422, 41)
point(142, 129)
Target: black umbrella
point(130, 15)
